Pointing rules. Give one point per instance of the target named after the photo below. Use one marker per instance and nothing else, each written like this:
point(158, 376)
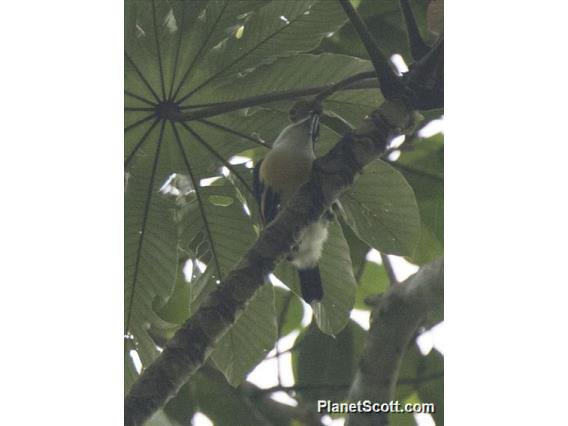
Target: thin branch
point(341, 386)
point(344, 84)
point(270, 410)
point(300, 388)
point(387, 264)
point(279, 413)
point(203, 111)
point(391, 84)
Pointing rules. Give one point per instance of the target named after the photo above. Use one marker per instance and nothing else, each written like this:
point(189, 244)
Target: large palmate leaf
point(150, 246)
point(381, 209)
point(176, 52)
point(278, 29)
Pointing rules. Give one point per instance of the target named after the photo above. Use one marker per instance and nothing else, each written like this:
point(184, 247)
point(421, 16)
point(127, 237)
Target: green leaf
point(168, 50)
point(293, 73)
point(181, 407)
point(374, 280)
point(422, 377)
point(150, 251)
point(402, 419)
point(357, 248)
point(423, 167)
point(433, 390)
point(353, 105)
point(219, 235)
point(324, 366)
point(405, 419)
point(160, 419)
point(289, 310)
point(408, 372)
point(279, 28)
point(176, 310)
point(249, 340)
point(371, 277)
point(308, 71)
point(382, 210)
point(130, 373)
point(222, 403)
point(332, 313)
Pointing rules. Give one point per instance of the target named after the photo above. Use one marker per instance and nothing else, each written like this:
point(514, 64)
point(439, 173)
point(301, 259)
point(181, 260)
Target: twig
point(387, 264)
point(365, 80)
point(341, 386)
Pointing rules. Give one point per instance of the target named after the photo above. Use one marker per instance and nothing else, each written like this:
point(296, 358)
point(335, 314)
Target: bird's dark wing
point(268, 200)
point(257, 185)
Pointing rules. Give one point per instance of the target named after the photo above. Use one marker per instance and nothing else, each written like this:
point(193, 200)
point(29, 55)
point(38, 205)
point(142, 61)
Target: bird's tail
point(310, 283)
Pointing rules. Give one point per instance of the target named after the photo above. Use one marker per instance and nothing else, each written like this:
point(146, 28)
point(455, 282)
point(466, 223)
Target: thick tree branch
point(363, 80)
point(394, 322)
point(194, 341)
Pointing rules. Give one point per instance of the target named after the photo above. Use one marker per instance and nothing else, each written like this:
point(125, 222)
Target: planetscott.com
point(368, 406)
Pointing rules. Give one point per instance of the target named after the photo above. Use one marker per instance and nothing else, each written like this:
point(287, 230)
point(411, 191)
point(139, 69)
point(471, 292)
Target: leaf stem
point(391, 85)
point(211, 110)
point(387, 264)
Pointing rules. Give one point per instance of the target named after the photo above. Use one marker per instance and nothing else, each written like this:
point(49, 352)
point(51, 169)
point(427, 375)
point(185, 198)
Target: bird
point(276, 178)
